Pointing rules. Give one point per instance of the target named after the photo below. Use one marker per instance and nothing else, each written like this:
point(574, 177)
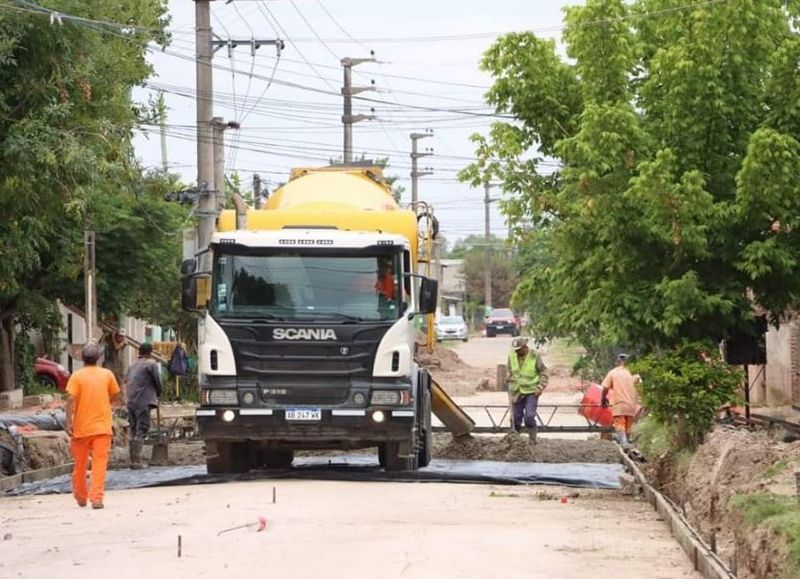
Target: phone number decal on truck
point(305, 241)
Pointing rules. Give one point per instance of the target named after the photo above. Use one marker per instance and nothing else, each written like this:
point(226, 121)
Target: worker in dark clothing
point(143, 385)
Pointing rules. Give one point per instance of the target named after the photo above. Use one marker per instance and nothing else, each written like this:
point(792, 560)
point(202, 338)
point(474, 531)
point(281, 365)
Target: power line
point(31, 7)
point(268, 14)
point(313, 30)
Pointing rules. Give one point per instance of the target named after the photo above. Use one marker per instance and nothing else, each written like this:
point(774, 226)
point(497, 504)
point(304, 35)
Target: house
point(777, 383)
point(452, 288)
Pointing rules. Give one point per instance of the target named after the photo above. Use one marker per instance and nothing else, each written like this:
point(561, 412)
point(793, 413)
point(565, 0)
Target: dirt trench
point(733, 461)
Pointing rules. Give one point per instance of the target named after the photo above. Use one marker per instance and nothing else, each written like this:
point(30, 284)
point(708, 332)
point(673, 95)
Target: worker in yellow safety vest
point(527, 379)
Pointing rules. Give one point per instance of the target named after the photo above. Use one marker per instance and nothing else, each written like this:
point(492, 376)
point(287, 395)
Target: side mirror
point(194, 292)
point(428, 290)
point(188, 266)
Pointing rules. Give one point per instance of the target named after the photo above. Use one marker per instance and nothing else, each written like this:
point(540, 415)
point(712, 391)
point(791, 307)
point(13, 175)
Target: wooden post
point(501, 377)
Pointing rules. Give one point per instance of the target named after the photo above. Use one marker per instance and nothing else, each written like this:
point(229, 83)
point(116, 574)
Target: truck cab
point(307, 338)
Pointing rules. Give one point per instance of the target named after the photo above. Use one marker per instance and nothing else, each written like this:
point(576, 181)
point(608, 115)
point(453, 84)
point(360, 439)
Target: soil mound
point(456, 376)
point(519, 448)
point(443, 360)
point(734, 461)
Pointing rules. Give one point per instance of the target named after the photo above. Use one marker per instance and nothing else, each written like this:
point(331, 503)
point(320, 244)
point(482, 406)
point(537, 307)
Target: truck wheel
point(426, 431)
point(392, 459)
point(223, 457)
point(277, 458)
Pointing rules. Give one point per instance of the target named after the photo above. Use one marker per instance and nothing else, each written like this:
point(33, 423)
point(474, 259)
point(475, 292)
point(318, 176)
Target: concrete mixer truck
point(308, 326)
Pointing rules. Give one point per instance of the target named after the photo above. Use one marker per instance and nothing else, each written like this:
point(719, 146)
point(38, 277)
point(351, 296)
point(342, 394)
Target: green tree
point(675, 203)
point(66, 162)
point(472, 249)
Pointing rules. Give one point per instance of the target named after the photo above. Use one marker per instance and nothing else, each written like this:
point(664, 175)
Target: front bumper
point(501, 328)
point(451, 336)
point(337, 428)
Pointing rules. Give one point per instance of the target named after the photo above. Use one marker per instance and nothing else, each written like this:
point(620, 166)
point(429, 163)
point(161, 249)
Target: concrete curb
point(10, 483)
point(705, 561)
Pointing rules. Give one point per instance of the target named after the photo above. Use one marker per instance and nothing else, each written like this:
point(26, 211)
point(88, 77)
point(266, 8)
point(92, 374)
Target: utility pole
point(415, 154)
point(90, 295)
point(487, 274)
point(219, 127)
point(206, 44)
point(207, 209)
point(162, 124)
point(348, 90)
point(257, 200)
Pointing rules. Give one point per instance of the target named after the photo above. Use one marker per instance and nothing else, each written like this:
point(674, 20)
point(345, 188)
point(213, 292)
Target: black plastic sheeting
point(361, 468)
point(45, 421)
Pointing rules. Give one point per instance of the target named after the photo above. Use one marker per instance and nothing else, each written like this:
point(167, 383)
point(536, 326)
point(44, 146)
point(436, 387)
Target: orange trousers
point(98, 447)
point(623, 424)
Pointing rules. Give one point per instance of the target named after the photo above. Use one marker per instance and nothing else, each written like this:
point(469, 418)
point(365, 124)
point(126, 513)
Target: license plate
point(305, 414)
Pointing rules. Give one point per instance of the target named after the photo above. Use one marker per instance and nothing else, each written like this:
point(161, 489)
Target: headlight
point(228, 416)
point(385, 397)
point(222, 397)
point(378, 416)
point(359, 398)
point(248, 398)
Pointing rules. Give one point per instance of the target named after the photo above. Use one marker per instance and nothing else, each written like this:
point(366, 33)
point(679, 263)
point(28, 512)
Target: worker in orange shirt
point(385, 286)
point(91, 391)
point(624, 401)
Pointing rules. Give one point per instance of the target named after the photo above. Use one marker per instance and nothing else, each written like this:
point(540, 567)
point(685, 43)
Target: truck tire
point(224, 457)
point(426, 430)
point(392, 461)
point(277, 457)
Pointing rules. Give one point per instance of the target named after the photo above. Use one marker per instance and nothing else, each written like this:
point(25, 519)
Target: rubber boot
point(622, 439)
point(135, 448)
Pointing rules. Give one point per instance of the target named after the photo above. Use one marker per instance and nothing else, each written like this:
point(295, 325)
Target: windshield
point(295, 286)
point(451, 321)
point(502, 314)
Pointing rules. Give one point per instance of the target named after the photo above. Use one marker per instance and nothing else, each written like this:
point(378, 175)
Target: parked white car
point(451, 328)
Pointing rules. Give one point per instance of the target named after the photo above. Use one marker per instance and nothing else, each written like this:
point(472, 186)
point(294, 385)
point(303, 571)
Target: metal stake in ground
point(160, 452)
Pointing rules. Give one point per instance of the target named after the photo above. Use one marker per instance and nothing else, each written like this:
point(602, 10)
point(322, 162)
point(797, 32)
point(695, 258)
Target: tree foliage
point(472, 249)
point(675, 203)
point(66, 164)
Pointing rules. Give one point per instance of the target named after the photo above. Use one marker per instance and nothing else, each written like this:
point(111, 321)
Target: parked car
point(51, 374)
point(501, 321)
point(451, 328)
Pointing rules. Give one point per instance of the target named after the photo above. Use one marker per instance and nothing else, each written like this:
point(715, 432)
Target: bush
point(652, 437)
point(683, 388)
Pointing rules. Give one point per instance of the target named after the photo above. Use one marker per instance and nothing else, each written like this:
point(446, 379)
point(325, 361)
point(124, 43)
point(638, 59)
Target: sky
point(289, 108)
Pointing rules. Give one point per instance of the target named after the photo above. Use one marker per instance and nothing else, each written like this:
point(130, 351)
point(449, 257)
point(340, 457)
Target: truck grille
point(260, 357)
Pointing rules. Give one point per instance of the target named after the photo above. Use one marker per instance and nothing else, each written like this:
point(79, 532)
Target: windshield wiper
point(256, 318)
point(345, 318)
